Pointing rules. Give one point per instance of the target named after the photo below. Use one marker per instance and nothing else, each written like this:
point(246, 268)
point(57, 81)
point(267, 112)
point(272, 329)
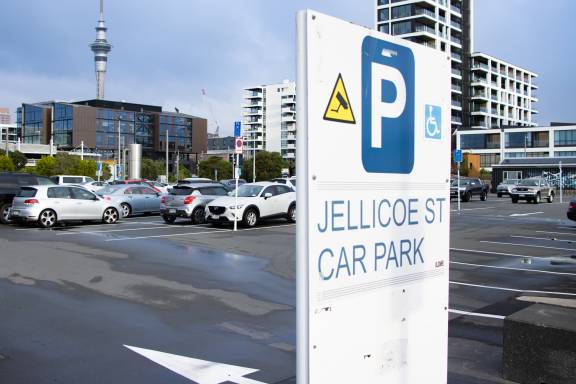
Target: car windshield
point(463, 183)
point(109, 189)
point(248, 190)
point(510, 182)
point(27, 192)
point(181, 191)
point(529, 182)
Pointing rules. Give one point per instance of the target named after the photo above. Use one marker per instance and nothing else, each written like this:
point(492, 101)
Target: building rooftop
point(537, 161)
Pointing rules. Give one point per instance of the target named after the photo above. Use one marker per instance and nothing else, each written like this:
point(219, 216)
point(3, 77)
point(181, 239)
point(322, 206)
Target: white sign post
point(373, 206)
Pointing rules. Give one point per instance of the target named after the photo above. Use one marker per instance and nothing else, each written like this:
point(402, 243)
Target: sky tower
point(101, 48)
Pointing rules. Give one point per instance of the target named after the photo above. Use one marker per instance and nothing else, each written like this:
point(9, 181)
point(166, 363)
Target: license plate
point(521, 195)
point(15, 213)
point(171, 211)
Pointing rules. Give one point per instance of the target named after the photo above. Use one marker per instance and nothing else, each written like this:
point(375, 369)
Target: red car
point(571, 214)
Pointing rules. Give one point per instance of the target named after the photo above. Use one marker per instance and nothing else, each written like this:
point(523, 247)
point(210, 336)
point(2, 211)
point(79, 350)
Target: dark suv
point(10, 184)
point(468, 188)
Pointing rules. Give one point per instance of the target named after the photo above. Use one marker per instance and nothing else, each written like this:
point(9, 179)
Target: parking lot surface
point(73, 297)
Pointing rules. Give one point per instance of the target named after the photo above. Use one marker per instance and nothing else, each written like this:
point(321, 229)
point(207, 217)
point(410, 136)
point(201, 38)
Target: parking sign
point(373, 206)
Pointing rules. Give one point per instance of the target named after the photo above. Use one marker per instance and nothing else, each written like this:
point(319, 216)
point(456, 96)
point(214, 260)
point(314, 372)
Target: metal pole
point(561, 184)
point(459, 197)
point(167, 178)
point(254, 162)
point(236, 194)
point(119, 166)
point(82, 150)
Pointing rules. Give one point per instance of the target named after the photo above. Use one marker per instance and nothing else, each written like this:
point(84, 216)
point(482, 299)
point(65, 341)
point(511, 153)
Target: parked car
point(194, 180)
point(230, 184)
point(505, 187)
point(133, 198)
point(189, 201)
point(256, 201)
point(10, 185)
point(94, 186)
point(533, 190)
point(571, 214)
point(48, 205)
point(158, 187)
point(289, 181)
point(468, 188)
point(69, 179)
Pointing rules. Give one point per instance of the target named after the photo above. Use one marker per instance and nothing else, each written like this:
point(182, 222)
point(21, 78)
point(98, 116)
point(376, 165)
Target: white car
point(94, 186)
point(289, 181)
point(256, 201)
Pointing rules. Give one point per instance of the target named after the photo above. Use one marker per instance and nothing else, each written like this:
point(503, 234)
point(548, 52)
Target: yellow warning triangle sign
point(339, 107)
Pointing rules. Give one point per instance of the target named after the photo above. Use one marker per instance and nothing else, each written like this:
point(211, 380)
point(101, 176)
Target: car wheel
point(4, 213)
point(483, 196)
point(47, 218)
point(250, 218)
point(499, 195)
point(126, 209)
point(110, 216)
point(537, 199)
point(551, 198)
point(198, 216)
point(169, 218)
point(514, 200)
point(291, 215)
point(467, 196)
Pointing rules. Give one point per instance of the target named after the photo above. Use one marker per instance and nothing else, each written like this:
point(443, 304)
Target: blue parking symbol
point(388, 89)
point(433, 122)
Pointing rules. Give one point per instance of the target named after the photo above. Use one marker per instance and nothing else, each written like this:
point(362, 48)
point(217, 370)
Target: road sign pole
point(459, 198)
point(561, 184)
point(236, 193)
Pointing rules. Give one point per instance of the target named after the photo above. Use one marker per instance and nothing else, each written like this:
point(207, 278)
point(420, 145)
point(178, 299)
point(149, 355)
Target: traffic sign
point(238, 145)
point(458, 155)
point(99, 169)
point(373, 222)
point(237, 129)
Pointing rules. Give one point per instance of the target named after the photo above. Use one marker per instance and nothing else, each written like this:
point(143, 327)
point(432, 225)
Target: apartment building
point(486, 92)
point(4, 115)
point(502, 94)
point(439, 24)
point(269, 119)
point(495, 145)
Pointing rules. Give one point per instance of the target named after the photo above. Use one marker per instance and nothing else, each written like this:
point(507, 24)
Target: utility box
point(135, 161)
point(540, 345)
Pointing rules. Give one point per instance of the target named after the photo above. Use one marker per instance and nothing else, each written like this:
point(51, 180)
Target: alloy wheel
point(110, 216)
point(47, 218)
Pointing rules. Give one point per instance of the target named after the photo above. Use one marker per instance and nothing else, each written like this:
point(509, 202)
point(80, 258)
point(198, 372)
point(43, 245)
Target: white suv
point(256, 201)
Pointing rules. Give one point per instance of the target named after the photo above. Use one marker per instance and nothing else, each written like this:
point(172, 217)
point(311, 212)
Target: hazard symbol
point(339, 108)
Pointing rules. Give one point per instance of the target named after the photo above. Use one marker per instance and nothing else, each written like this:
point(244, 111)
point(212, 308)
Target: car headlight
point(514, 190)
point(236, 207)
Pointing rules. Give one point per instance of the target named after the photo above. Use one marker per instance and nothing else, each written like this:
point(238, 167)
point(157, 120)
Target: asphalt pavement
point(73, 298)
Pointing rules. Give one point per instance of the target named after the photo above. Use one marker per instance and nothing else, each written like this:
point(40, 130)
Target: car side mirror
point(267, 195)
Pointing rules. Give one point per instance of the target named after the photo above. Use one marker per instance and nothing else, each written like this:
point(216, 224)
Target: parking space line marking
point(541, 238)
point(197, 233)
point(557, 233)
point(476, 314)
point(472, 209)
point(525, 214)
point(514, 269)
point(512, 289)
point(527, 245)
point(498, 253)
point(122, 230)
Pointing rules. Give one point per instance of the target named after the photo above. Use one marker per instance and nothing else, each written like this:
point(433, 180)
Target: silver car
point(133, 198)
point(49, 205)
point(189, 201)
point(505, 187)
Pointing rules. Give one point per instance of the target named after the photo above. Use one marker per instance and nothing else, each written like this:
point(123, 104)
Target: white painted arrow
point(200, 371)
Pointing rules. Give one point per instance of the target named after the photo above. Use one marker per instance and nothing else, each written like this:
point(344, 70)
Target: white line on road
point(541, 238)
point(197, 233)
point(557, 233)
point(526, 245)
point(476, 314)
point(498, 253)
point(131, 229)
point(514, 269)
point(512, 289)
point(525, 214)
point(472, 209)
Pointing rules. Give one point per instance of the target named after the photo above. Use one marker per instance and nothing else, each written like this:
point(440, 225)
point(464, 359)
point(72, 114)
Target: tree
point(151, 169)
point(268, 166)
point(464, 168)
point(6, 164)
point(183, 172)
point(18, 159)
point(209, 167)
point(46, 166)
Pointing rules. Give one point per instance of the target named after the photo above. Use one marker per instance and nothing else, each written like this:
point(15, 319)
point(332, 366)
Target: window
point(385, 28)
point(72, 180)
point(487, 160)
point(272, 190)
point(213, 191)
point(480, 141)
point(27, 192)
point(81, 194)
point(402, 11)
point(512, 175)
point(59, 193)
point(383, 14)
point(132, 191)
point(147, 191)
point(565, 138)
point(283, 189)
point(402, 28)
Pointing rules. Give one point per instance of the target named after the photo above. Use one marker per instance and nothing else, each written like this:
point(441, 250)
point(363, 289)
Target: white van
point(69, 179)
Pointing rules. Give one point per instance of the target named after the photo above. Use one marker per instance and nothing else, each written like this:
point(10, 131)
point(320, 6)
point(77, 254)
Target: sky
point(165, 52)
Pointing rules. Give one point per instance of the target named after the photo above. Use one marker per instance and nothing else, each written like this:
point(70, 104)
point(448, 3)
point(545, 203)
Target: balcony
point(456, 40)
point(253, 104)
point(455, 8)
point(425, 12)
point(456, 87)
point(456, 103)
point(456, 24)
point(479, 110)
point(456, 56)
point(425, 28)
point(480, 80)
point(290, 155)
point(479, 95)
point(480, 66)
point(456, 72)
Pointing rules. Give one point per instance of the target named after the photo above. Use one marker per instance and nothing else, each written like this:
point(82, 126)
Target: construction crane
point(211, 110)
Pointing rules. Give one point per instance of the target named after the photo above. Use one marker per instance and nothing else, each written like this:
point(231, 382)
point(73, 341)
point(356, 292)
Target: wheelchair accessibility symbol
point(433, 122)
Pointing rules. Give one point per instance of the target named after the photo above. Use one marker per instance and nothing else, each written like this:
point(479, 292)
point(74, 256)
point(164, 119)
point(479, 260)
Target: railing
point(456, 56)
point(456, 72)
point(479, 94)
point(455, 24)
point(456, 103)
point(455, 8)
point(456, 88)
point(456, 40)
point(479, 80)
point(481, 110)
point(456, 119)
point(481, 66)
point(424, 11)
point(425, 28)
